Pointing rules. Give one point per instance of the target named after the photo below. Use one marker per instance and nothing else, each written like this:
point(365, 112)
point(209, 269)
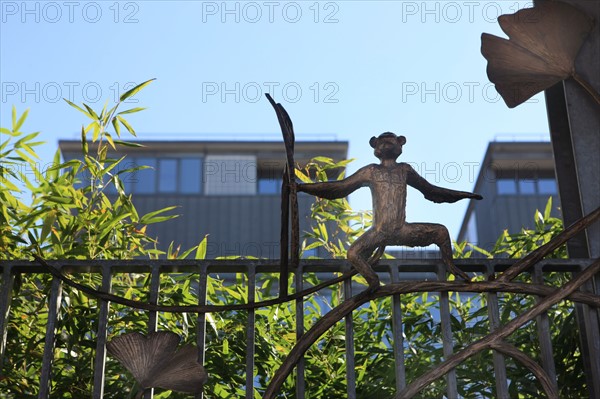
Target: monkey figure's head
point(387, 145)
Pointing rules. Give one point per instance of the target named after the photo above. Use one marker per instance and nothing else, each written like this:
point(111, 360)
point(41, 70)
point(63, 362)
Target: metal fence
point(389, 270)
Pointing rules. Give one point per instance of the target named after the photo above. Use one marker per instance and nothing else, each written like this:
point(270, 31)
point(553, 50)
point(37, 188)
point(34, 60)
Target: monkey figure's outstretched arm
point(435, 193)
point(338, 188)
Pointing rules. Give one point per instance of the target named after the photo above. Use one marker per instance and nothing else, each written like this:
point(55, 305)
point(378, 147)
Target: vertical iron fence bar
point(399, 363)
point(543, 329)
point(300, 383)
point(53, 309)
point(153, 315)
point(250, 334)
point(100, 358)
point(349, 325)
point(447, 341)
point(153, 297)
point(201, 327)
point(498, 358)
point(590, 332)
point(5, 299)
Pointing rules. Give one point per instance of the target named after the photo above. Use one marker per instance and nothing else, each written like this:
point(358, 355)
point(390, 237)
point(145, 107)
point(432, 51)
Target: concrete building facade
point(515, 179)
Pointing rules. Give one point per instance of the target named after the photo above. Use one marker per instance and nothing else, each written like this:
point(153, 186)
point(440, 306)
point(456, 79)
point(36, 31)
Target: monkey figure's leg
point(423, 234)
point(359, 253)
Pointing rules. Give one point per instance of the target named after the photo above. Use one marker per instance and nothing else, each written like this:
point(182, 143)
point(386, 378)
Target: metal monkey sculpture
point(387, 182)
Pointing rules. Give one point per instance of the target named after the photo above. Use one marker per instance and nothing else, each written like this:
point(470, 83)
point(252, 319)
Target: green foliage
point(70, 216)
point(64, 212)
point(564, 329)
point(518, 245)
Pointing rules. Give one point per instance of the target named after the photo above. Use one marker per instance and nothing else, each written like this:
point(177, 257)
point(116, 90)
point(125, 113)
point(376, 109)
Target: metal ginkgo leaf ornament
point(540, 52)
point(155, 362)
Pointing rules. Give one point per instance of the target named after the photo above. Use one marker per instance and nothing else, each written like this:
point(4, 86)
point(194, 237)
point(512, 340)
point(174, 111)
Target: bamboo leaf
point(96, 132)
point(110, 141)
point(131, 111)
point(30, 151)
point(19, 123)
point(152, 217)
point(304, 178)
point(91, 111)
point(59, 200)
point(52, 172)
point(47, 226)
point(135, 90)
point(187, 252)
point(201, 251)
point(14, 118)
point(126, 124)
point(84, 144)
point(103, 112)
point(129, 144)
point(79, 109)
point(26, 138)
point(117, 127)
point(548, 209)
point(4, 130)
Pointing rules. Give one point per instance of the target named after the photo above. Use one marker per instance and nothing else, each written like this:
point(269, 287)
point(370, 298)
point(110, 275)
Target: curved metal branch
point(188, 308)
point(499, 334)
point(546, 382)
point(310, 337)
point(391, 289)
point(349, 305)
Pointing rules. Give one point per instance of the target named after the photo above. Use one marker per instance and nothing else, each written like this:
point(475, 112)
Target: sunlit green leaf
point(201, 251)
point(79, 109)
point(126, 124)
point(131, 111)
point(153, 217)
point(19, 123)
point(47, 226)
point(117, 127)
point(91, 112)
point(135, 90)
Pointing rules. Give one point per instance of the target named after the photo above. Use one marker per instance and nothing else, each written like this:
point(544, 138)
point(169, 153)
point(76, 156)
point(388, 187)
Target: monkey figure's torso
point(388, 190)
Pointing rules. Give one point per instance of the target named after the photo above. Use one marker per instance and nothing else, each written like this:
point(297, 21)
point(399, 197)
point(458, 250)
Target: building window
point(142, 181)
point(190, 175)
point(547, 186)
point(230, 175)
point(167, 175)
point(269, 186)
point(544, 186)
point(526, 187)
point(506, 186)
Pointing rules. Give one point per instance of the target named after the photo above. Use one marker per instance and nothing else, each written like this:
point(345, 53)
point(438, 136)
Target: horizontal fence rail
point(390, 271)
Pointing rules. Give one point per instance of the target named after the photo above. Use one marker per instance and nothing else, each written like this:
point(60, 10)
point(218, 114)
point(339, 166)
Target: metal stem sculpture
point(289, 200)
point(388, 181)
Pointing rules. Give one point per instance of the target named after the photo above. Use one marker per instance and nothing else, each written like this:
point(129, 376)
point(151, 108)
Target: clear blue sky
point(344, 69)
